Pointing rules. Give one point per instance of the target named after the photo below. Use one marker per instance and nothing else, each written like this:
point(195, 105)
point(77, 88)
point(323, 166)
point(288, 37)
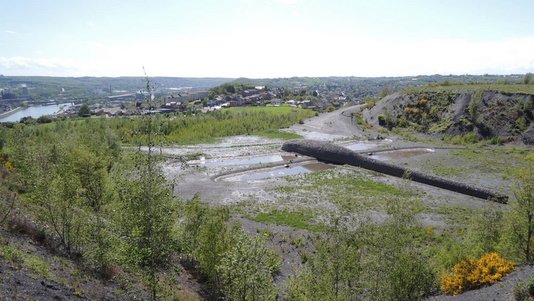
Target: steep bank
point(482, 113)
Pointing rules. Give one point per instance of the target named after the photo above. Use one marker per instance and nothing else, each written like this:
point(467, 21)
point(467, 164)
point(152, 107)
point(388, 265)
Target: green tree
point(214, 239)
point(91, 172)
point(474, 105)
point(58, 192)
point(7, 198)
point(527, 79)
point(384, 92)
point(148, 210)
point(520, 218)
point(334, 273)
point(84, 111)
point(246, 269)
point(484, 232)
point(394, 267)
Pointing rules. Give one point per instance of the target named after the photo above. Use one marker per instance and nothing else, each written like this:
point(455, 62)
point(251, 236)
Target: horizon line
point(279, 77)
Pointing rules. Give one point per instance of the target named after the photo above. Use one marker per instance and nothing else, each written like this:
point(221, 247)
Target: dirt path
point(330, 126)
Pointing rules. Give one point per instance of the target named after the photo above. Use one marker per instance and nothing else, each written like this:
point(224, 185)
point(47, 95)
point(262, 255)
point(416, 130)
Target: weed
point(298, 242)
point(297, 219)
point(34, 263)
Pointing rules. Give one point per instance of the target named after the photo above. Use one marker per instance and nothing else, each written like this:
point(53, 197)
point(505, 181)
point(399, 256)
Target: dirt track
point(330, 126)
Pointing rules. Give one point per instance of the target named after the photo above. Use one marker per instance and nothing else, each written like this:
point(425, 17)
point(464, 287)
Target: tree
point(57, 191)
point(394, 266)
point(230, 89)
point(84, 111)
point(484, 232)
point(385, 92)
point(475, 105)
point(527, 79)
point(7, 198)
point(520, 217)
point(334, 273)
point(90, 170)
point(148, 210)
point(247, 268)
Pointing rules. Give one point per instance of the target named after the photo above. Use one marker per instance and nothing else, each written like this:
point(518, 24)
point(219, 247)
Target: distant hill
point(125, 83)
point(91, 87)
point(359, 87)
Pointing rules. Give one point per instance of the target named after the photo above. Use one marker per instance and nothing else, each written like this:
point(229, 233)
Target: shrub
point(370, 103)
point(520, 292)
point(472, 273)
point(524, 290)
point(530, 286)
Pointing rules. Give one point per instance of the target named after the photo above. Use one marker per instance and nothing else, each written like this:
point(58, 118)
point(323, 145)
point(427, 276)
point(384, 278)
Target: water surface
point(35, 112)
point(239, 161)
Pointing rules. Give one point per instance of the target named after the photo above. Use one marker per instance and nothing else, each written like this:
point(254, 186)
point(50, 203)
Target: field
point(228, 196)
point(458, 87)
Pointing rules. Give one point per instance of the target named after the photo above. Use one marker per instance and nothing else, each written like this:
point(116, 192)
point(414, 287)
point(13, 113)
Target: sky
point(266, 38)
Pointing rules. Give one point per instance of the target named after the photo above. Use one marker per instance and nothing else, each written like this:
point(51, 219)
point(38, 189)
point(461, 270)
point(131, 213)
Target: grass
point(349, 189)
point(456, 87)
point(457, 216)
point(496, 161)
point(441, 168)
point(276, 134)
point(38, 266)
point(180, 129)
point(206, 128)
point(295, 219)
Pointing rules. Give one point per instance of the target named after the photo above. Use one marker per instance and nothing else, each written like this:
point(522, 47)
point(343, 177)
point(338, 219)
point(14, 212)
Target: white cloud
point(9, 31)
point(90, 23)
point(283, 52)
point(19, 65)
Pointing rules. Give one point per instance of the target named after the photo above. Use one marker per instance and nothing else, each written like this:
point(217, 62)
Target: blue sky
point(266, 38)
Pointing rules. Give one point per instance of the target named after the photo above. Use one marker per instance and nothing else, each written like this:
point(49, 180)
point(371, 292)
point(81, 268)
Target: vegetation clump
point(469, 274)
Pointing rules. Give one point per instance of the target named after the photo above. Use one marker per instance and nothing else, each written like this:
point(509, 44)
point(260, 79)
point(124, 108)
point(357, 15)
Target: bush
point(44, 119)
point(524, 290)
point(472, 273)
point(520, 292)
point(530, 286)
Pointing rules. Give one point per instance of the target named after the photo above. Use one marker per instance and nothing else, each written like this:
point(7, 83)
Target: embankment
point(9, 113)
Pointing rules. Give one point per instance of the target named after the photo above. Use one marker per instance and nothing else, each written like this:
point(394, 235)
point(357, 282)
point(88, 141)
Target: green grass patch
point(182, 129)
point(206, 128)
point(351, 190)
point(443, 169)
point(276, 134)
point(295, 219)
point(38, 266)
point(457, 216)
point(495, 161)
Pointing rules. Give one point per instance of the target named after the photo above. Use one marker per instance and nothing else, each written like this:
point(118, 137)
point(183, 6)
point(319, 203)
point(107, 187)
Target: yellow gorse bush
point(472, 273)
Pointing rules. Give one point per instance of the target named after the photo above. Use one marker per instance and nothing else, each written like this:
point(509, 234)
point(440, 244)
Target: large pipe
point(332, 153)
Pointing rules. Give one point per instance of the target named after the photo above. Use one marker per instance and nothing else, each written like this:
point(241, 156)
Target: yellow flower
point(470, 273)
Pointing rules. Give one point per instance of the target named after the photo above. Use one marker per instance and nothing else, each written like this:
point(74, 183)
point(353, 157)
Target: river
point(35, 112)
